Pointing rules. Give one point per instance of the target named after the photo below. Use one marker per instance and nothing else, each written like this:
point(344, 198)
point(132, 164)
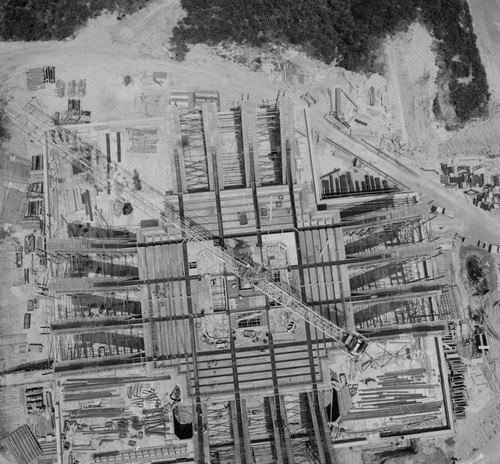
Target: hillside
point(348, 33)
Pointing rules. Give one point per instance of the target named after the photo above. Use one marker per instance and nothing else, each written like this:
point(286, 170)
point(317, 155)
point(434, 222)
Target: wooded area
point(346, 31)
point(55, 19)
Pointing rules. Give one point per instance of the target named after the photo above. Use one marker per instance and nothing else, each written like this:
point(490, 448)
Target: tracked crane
point(154, 203)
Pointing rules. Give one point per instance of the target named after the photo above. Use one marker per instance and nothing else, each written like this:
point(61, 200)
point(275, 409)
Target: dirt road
point(104, 67)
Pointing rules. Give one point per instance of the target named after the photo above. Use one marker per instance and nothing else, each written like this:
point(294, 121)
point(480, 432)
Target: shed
point(127, 80)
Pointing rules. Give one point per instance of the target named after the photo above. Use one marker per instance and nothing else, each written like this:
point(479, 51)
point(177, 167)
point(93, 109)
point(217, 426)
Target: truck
point(443, 211)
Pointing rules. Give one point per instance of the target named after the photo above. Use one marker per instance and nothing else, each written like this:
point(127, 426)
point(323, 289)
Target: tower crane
point(153, 202)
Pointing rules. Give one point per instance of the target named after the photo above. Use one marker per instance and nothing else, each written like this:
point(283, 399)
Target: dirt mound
point(477, 268)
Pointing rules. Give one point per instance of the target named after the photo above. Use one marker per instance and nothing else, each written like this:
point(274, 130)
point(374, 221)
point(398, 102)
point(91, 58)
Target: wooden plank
point(27, 320)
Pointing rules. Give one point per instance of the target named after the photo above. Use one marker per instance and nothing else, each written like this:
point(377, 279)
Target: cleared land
point(108, 50)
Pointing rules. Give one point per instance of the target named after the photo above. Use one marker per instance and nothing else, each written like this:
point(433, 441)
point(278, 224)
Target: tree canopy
point(54, 19)
point(348, 31)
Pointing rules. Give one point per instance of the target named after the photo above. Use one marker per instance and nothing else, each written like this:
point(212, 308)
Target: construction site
point(242, 306)
point(219, 275)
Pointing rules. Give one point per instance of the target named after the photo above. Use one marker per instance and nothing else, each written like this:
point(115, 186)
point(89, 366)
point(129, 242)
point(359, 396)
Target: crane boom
point(153, 202)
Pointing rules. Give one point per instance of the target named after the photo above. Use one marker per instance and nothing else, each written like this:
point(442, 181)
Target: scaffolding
point(96, 313)
point(97, 344)
point(394, 275)
point(194, 151)
point(123, 265)
point(269, 146)
point(231, 158)
point(109, 303)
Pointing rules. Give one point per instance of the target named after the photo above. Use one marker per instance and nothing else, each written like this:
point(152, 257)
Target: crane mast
point(153, 202)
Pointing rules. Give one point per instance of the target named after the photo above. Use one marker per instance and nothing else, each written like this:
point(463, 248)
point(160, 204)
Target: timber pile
point(456, 377)
point(35, 79)
point(97, 409)
point(60, 88)
point(142, 454)
point(72, 89)
point(72, 200)
point(49, 74)
point(81, 88)
point(397, 393)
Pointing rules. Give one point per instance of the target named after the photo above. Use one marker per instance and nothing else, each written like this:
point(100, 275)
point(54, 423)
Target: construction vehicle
point(153, 202)
point(308, 98)
point(443, 211)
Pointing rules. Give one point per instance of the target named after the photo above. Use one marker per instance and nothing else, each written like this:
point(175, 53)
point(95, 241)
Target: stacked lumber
point(34, 78)
point(72, 89)
point(74, 104)
point(35, 190)
point(397, 393)
point(72, 200)
point(49, 74)
point(34, 208)
point(60, 88)
point(81, 88)
point(37, 163)
point(68, 116)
